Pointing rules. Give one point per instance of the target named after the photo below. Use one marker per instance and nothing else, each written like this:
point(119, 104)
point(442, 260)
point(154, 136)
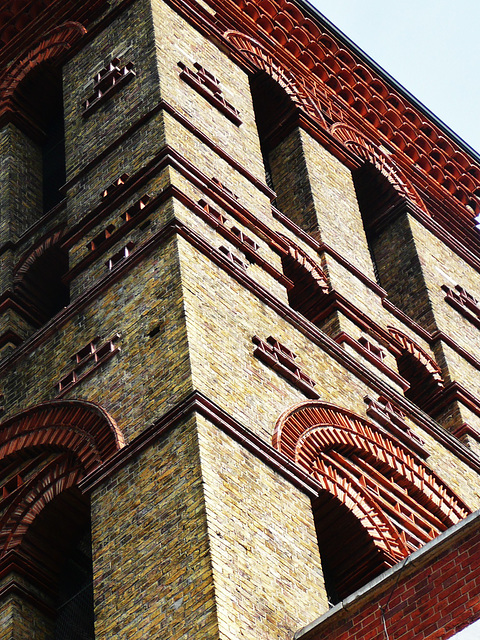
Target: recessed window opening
point(272, 106)
point(423, 386)
point(59, 540)
point(40, 99)
point(41, 289)
point(349, 557)
point(378, 202)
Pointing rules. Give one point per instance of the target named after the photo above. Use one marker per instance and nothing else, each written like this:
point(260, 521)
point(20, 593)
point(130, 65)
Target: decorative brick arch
point(407, 345)
point(53, 44)
point(29, 259)
point(306, 263)
point(309, 288)
point(62, 473)
point(369, 470)
point(385, 537)
point(47, 450)
point(306, 97)
point(38, 282)
point(369, 151)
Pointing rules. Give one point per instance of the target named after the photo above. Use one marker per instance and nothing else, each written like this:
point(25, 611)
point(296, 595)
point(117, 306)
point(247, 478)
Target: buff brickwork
point(239, 316)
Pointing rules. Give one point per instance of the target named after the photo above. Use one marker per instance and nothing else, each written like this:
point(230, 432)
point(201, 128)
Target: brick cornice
point(14, 588)
point(466, 430)
point(198, 403)
point(454, 392)
point(15, 563)
point(9, 302)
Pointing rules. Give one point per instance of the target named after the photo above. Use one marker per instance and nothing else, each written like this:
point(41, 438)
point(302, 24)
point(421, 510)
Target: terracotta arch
point(48, 449)
point(29, 259)
point(307, 98)
point(53, 44)
point(410, 346)
point(62, 473)
point(369, 151)
point(308, 293)
point(348, 492)
point(38, 278)
point(337, 446)
point(306, 263)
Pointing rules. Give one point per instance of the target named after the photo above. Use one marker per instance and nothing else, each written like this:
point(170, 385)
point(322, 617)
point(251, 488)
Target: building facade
point(239, 375)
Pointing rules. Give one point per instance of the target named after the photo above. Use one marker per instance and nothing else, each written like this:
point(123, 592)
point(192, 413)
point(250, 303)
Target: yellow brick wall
point(153, 575)
point(265, 559)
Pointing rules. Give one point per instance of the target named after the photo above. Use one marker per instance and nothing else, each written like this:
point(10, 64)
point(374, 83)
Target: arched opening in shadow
point(423, 386)
point(38, 283)
point(309, 293)
point(419, 369)
point(349, 557)
point(59, 540)
point(379, 203)
point(39, 98)
point(45, 452)
point(390, 239)
point(377, 500)
point(281, 143)
point(272, 106)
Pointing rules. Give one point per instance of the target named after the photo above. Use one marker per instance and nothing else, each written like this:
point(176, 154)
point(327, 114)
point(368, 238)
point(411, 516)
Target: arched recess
point(384, 198)
point(310, 285)
point(419, 368)
point(52, 45)
point(37, 278)
point(31, 98)
point(45, 452)
point(369, 152)
point(278, 97)
point(377, 501)
point(308, 98)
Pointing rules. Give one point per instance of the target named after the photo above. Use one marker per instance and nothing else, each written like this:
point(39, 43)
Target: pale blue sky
point(432, 47)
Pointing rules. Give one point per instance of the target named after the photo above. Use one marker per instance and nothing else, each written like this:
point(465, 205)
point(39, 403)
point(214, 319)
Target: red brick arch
point(48, 449)
point(53, 44)
point(307, 264)
point(369, 151)
point(360, 463)
point(58, 475)
point(29, 259)
point(305, 97)
point(407, 345)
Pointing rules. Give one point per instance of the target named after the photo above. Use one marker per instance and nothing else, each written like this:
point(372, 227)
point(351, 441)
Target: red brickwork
point(429, 597)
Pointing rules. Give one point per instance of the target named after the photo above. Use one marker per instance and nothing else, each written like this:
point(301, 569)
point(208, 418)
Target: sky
point(431, 47)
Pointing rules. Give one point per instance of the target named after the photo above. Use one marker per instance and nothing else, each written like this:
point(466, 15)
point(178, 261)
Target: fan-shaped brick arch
point(332, 443)
point(44, 451)
point(29, 259)
point(58, 475)
point(305, 262)
point(410, 346)
point(383, 534)
point(52, 45)
point(264, 61)
point(367, 150)
point(76, 425)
